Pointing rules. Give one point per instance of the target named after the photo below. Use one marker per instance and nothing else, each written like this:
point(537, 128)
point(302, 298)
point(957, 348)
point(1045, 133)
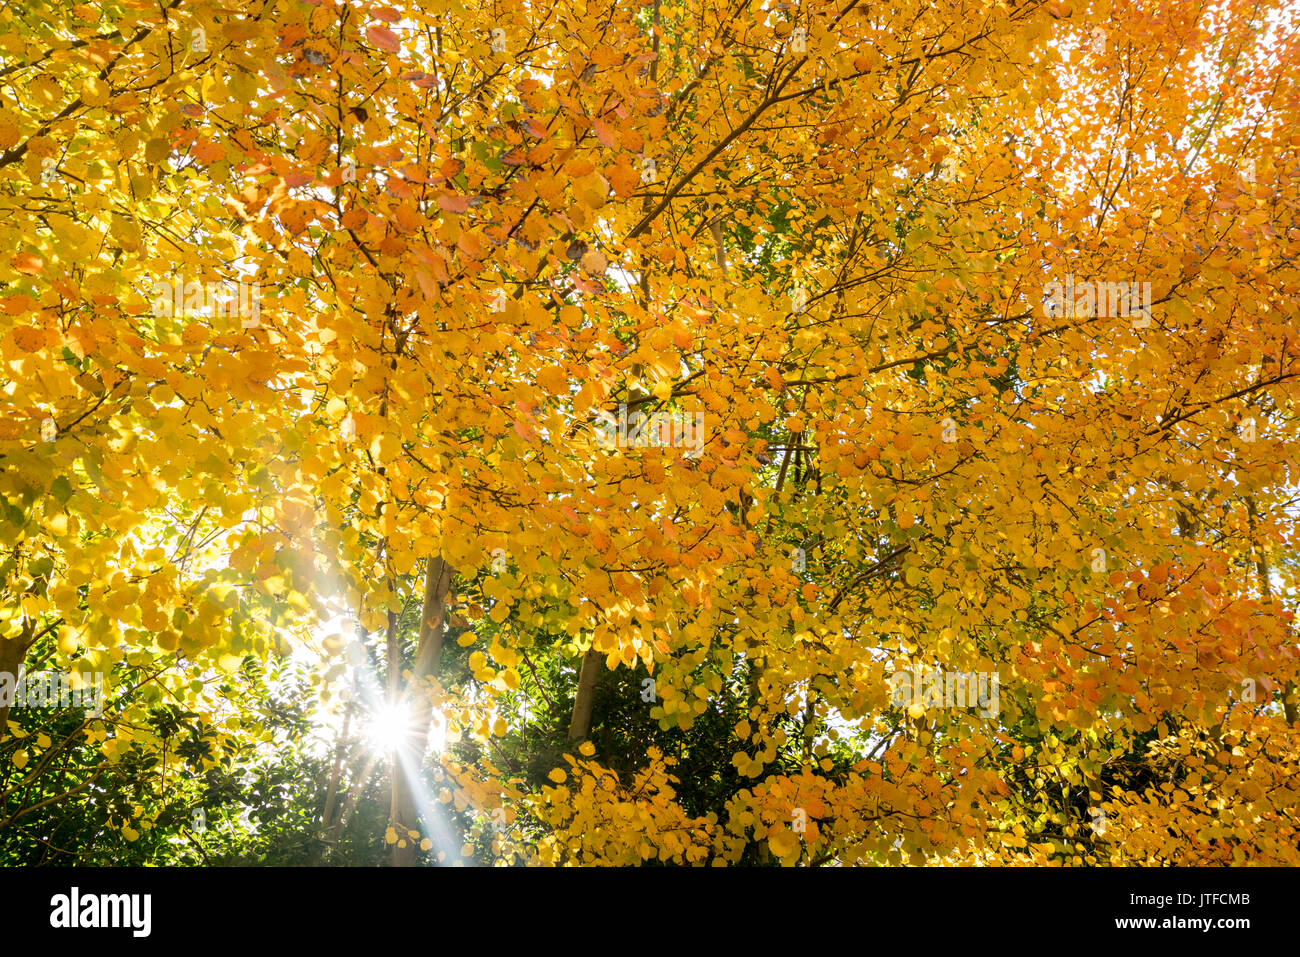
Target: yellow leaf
point(553, 380)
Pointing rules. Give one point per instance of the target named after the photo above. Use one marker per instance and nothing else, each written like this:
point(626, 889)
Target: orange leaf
point(28, 339)
point(383, 38)
point(453, 203)
point(604, 133)
point(427, 283)
point(15, 305)
point(29, 264)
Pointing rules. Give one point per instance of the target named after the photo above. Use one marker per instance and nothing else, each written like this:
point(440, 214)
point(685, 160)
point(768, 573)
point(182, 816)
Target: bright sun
point(390, 727)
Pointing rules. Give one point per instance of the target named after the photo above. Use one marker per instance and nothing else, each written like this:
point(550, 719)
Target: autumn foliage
point(816, 237)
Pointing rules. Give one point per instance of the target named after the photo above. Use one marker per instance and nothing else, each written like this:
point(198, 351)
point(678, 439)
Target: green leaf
point(61, 489)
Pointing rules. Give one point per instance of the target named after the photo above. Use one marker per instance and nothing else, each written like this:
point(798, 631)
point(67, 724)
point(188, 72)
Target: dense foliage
point(586, 432)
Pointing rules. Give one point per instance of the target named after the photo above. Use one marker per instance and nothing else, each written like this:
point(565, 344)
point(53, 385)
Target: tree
point(796, 359)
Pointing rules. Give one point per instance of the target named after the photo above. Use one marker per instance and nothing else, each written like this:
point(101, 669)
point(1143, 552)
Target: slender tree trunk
point(360, 779)
point(428, 656)
point(755, 665)
point(331, 793)
point(12, 652)
point(809, 727)
point(580, 722)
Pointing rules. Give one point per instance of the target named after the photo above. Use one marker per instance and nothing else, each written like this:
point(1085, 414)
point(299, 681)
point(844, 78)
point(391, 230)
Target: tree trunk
point(428, 656)
point(580, 722)
point(332, 789)
point(12, 652)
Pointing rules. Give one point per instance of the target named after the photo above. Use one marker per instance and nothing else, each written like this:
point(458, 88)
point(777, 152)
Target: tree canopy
point(704, 433)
